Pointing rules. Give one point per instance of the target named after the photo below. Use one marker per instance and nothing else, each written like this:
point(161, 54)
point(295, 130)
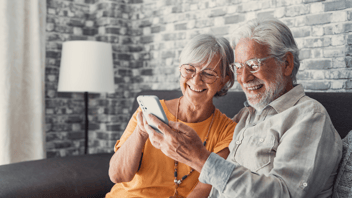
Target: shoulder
point(307, 103)
point(222, 119)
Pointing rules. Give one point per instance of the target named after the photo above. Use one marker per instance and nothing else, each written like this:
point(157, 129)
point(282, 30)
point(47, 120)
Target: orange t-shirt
point(155, 177)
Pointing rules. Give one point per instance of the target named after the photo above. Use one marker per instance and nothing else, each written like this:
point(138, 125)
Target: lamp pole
point(86, 128)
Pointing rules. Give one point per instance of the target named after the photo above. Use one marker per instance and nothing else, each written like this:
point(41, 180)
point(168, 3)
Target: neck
point(193, 113)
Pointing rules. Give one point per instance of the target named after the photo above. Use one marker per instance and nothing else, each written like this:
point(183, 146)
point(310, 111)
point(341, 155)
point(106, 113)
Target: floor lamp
point(86, 66)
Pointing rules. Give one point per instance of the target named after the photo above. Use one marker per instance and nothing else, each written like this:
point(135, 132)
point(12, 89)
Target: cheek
point(183, 83)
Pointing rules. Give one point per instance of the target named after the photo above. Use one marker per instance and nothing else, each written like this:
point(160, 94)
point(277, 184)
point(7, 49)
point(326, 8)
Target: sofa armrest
point(75, 176)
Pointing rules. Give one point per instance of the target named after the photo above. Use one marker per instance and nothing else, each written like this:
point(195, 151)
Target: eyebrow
point(247, 60)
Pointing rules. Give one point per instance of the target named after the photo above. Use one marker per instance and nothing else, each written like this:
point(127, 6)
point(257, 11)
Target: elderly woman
point(139, 169)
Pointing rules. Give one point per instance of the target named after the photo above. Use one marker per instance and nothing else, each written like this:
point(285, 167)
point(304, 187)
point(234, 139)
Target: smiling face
point(199, 92)
point(268, 83)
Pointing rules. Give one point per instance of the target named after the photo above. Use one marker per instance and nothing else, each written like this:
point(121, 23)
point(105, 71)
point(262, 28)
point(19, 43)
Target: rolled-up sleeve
point(307, 154)
point(216, 171)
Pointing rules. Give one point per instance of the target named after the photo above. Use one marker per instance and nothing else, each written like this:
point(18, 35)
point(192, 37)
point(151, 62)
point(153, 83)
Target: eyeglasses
point(252, 64)
point(189, 71)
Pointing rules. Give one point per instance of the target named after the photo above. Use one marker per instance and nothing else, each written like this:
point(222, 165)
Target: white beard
point(273, 91)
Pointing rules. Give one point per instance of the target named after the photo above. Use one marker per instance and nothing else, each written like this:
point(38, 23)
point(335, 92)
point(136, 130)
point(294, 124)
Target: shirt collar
point(285, 101)
point(289, 99)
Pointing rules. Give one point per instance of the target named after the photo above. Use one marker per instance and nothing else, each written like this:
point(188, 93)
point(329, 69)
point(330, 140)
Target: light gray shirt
point(290, 149)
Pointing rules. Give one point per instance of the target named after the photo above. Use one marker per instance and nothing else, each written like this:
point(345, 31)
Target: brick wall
point(147, 37)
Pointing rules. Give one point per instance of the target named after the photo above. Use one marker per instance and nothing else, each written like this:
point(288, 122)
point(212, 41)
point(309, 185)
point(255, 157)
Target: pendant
point(176, 195)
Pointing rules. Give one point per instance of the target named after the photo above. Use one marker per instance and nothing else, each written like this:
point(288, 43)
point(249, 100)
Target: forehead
point(247, 49)
point(212, 64)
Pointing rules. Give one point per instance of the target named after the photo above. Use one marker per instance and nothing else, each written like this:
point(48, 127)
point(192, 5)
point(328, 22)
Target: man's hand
point(179, 142)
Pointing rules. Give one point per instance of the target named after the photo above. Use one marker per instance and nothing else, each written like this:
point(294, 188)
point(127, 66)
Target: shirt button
point(261, 140)
point(238, 142)
point(305, 184)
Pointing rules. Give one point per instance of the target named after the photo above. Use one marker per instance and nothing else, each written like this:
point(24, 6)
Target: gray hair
point(201, 50)
point(273, 33)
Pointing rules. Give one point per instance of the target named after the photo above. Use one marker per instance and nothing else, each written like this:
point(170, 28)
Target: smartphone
point(150, 104)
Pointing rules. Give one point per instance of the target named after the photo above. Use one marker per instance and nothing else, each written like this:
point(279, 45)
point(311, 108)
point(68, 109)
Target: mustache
point(252, 83)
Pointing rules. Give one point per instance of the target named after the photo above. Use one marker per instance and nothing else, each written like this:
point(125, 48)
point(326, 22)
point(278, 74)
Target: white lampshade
point(86, 66)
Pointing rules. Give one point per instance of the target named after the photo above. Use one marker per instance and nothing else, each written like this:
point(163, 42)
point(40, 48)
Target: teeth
point(254, 88)
point(195, 89)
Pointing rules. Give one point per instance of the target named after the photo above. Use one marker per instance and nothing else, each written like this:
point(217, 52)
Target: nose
point(197, 77)
point(246, 75)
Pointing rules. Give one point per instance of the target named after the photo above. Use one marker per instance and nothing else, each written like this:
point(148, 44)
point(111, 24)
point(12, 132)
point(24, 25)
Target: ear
point(289, 64)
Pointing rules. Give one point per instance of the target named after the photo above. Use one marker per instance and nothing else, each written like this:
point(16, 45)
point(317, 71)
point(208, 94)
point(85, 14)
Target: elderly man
point(284, 144)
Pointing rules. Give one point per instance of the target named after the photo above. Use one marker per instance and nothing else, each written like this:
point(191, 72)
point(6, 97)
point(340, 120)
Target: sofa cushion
point(343, 183)
point(63, 177)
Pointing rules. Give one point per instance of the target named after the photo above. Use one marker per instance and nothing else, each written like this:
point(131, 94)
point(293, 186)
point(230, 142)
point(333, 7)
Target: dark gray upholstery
point(66, 177)
point(87, 175)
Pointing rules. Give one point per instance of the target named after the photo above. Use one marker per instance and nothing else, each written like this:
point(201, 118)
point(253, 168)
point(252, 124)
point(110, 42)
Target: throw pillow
point(343, 183)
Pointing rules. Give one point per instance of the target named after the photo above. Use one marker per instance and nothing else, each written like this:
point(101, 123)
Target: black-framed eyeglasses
point(252, 64)
point(207, 75)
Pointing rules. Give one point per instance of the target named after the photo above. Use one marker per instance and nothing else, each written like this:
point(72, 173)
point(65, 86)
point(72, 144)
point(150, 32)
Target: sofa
point(87, 175)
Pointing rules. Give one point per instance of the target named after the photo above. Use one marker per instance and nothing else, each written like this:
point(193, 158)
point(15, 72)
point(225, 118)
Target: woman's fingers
point(154, 137)
point(140, 118)
point(164, 128)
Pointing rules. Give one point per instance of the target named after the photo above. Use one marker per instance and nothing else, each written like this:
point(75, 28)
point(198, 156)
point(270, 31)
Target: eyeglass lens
point(207, 76)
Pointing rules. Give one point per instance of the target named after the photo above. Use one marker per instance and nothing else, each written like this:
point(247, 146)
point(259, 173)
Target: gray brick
point(319, 64)
point(155, 29)
point(234, 19)
point(311, 1)
point(301, 32)
point(168, 54)
point(93, 126)
point(336, 85)
point(317, 85)
point(182, 26)
point(348, 61)
point(147, 39)
point(319, 19)
point(113, 127)
point(349, 84)
point(145, 23)
point(75, 135)
point(220, 30)
point(303, 75)
point(334, 5)
point(204, 23)
point(124, 57)
point(317, 42)
point(304, 54)
point(336, 29)
point(347, 27)
point(297, 10)
point(147, 72)
point(267, 14)
point(217, 12)
point(334, 52)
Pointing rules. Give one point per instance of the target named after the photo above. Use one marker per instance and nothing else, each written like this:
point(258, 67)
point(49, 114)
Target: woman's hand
point(179, 142)
point(140, 126)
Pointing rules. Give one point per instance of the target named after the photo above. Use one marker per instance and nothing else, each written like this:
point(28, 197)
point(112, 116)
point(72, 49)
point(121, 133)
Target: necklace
point(176, 181)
